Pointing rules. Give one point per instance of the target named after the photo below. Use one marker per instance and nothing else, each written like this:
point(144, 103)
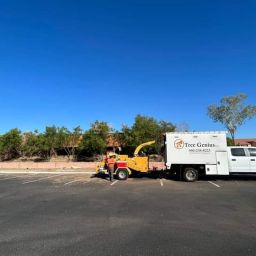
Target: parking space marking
point(9, 178)
point(87, 181)
point(214, 184)
point(161, 183)
point(101, 181)
point(237, 183)
point(113, 183)
point(45, 178)
point(70, 182)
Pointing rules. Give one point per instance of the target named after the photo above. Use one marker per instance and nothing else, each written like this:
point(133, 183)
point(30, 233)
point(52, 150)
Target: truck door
point(252, 152)
point(222, 162)
point(238, 161)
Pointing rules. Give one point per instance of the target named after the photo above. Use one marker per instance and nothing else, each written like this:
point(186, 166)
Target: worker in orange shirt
point(110, 162)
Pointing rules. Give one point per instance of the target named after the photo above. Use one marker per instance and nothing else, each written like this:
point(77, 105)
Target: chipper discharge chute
point(126, 165)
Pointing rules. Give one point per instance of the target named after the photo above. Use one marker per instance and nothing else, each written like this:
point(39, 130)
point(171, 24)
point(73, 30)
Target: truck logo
point(179, 144)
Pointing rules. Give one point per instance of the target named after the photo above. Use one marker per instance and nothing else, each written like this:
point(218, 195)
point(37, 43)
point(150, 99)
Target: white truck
point(190, 154)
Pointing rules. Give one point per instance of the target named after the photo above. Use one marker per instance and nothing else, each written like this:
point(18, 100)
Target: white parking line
point(9, 178)
point(214, 184)
point(113, 183)
point(87, 181)
point(237, 183)
point(70, 182)
point(161, 182)
point(45, 178)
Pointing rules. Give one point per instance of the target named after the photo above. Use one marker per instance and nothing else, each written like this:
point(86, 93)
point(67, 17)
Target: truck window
point(252, 151)
point(237, 152)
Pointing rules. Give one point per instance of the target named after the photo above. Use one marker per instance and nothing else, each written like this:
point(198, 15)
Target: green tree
point(232, 112)
point(74, 140)
point(10, 145)
point(230, 142)
point(31, 145)
point(101, 128)
point(163, 128)
point(48, 141)
point(145, 129)
point(68, 140)
point(94, 140)
point(59, 138)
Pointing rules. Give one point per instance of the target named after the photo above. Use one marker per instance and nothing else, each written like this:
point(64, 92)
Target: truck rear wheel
point(122, 174)
point(190, 174)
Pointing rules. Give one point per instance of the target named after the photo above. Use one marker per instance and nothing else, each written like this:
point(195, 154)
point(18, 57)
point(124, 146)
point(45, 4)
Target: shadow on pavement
point(231, 177)
point(163, 175)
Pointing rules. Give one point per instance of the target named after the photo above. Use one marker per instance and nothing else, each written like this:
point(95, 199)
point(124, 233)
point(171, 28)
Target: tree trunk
point(233, 137)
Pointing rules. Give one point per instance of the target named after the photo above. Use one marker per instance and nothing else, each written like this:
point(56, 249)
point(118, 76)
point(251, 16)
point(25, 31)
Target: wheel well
point(123, 169)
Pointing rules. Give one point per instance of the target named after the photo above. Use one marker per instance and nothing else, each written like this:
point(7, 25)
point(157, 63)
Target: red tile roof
point(249, 141)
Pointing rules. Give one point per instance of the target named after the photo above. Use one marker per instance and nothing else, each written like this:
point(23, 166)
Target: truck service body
point(192, 153)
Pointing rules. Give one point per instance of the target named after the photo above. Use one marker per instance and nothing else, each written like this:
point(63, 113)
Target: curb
point(44, 172)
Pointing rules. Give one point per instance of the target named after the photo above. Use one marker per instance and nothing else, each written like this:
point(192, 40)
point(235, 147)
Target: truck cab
point(242, 159)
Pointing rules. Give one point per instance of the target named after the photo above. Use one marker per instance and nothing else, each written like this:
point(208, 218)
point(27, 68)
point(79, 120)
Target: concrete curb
point(45, 172)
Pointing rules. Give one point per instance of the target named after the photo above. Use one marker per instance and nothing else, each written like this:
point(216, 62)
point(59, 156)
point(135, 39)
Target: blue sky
point(73, 62)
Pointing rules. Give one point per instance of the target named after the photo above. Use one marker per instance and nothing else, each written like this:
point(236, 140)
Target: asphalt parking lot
point(60, 214)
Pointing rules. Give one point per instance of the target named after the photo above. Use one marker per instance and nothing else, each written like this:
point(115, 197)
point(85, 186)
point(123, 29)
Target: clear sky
point(73, 62)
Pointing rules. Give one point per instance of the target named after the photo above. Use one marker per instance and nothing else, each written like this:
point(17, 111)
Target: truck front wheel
point(122, 174)
point(190, 174)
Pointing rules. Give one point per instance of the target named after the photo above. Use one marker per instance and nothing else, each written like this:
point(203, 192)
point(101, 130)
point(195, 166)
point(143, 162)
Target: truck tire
point(190, 174)
point(122, 174)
